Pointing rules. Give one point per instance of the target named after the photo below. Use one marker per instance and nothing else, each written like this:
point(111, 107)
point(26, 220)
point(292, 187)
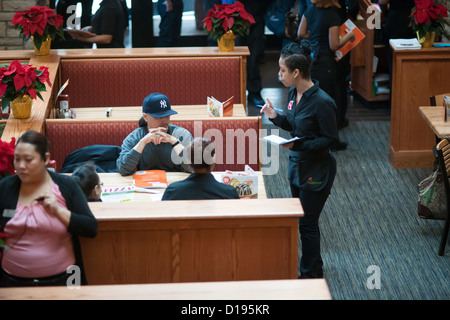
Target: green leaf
point(5, 102)
point(39, 95)
point(37, 42)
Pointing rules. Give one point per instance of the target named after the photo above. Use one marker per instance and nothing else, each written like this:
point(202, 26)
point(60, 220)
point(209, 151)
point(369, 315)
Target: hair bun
point(306, 48)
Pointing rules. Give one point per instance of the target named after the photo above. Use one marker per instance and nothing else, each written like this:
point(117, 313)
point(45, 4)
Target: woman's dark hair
point(298, 56)
point(199, 153)
point(38, 140)
point(86, 176)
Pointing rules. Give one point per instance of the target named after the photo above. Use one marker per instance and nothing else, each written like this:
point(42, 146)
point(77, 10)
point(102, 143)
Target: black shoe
point(340, 145)
point(343, 124)
point(254, 98)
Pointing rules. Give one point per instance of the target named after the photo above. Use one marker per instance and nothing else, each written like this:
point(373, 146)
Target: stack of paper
point(274, 139)
point(405, 44)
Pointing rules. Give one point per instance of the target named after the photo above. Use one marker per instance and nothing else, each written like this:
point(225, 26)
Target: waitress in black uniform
point(310, 116)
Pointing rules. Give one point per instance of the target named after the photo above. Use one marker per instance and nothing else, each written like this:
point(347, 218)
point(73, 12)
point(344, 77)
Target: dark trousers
point(256, 42)
point(342, 82)
point(7, 280)
point(312, 202)
point(170, 25)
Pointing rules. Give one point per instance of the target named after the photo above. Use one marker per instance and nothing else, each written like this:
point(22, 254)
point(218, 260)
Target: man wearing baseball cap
point(156, 143)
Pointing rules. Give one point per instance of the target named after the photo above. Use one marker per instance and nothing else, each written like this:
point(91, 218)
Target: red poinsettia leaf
point(32, 93)
point(18, 17)
point(19, 82)
point(421, 17)
point(44, 75)
point(230, 22)
point(14, 66)
point(442, 10)
point(225, 24)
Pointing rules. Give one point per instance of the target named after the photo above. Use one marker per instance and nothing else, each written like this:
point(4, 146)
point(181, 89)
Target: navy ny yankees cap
point(157, 105)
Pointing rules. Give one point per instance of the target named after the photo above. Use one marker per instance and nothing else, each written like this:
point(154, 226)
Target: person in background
point(156, 144)
point(89, 181)
point(255, 41)
point(310, 116)
point(201, 184)
point(396, 26)
point(171, 12)
point(43, 214)
point(349, 10)
point(320, 25)
point(107, 28)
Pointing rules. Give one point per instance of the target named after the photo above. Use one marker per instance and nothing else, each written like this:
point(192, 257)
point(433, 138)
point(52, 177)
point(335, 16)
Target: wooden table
point(310, 289)
point(193, 241)
point(417, 75)
point(434, 117)
point(110, 180)
point(135, 112)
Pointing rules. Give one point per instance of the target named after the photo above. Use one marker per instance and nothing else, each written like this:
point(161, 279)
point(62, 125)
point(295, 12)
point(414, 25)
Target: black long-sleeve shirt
point(313, 118)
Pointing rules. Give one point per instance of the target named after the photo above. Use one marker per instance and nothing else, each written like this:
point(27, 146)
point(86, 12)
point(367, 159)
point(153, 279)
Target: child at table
point(89, 181)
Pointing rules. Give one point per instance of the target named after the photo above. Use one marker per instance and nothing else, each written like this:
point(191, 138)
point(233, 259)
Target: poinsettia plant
point(7, 157)
point(2, 242)
point(18, 80)
point(427, 16)
point(40, 22)
point(224, 17)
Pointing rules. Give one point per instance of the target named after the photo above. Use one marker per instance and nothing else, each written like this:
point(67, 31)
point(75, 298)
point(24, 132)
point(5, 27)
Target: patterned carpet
point(370, 219)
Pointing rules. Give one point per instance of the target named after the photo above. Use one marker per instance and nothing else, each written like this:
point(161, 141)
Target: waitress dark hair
point(38, 140)
point(298, 56)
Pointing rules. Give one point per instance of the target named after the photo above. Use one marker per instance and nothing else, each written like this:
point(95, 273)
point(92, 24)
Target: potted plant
point(226, 21)
point(20, 84)
point(426, 20)
point(7, 157)
point(41, 24)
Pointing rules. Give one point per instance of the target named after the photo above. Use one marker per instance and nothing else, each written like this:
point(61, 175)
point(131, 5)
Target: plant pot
point(226, 42)
point(427, 40)
point(45, 47)
point(21, 108)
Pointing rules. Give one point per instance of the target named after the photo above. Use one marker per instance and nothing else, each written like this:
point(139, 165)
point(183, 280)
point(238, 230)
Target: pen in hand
point(276, 109)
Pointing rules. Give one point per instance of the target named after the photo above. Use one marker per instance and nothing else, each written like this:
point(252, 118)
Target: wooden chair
point(442, 152)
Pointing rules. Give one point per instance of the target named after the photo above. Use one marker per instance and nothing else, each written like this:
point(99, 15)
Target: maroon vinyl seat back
point(126, 82)
point(236, 139)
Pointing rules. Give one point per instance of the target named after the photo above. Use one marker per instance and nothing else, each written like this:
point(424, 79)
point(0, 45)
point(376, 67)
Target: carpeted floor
point(370, 219)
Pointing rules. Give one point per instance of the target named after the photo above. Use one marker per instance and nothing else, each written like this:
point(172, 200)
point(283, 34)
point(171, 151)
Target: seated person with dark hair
point(89, 181)
point(156, 144)
point(201, 184)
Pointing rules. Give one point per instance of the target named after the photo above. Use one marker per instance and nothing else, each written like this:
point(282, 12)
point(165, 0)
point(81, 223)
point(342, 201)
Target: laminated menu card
point(245, 183)
point(215, 108)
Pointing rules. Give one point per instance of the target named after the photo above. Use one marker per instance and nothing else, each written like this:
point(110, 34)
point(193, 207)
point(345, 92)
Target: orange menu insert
point(150, 179)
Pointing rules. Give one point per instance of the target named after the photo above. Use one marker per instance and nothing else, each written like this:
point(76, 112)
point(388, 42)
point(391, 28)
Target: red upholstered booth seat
point(236, 139)
point(126, 82)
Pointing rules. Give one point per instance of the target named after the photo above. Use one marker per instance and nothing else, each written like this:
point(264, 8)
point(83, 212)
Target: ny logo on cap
point(163, 104)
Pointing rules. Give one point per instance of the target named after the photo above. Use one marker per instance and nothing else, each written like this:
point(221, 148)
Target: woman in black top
point(310, 116)
point(108, 26)
point(320, 24)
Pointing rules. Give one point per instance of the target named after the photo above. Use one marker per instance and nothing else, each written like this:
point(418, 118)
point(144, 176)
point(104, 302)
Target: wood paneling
point(417, 75)
point(192, 241)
